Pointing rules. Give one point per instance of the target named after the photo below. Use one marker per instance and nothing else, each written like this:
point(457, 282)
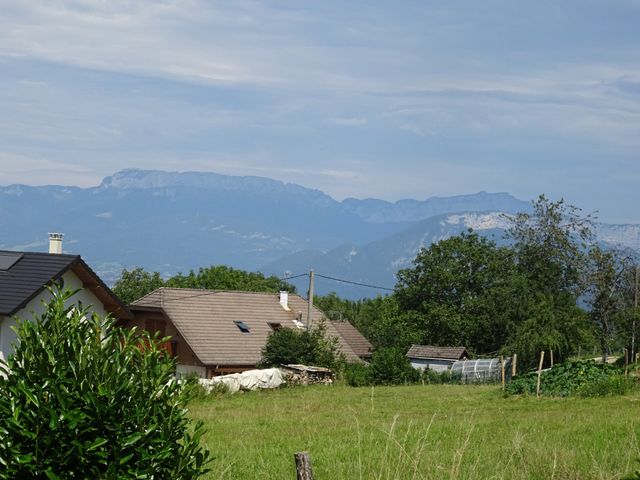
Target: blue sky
point(366, 99)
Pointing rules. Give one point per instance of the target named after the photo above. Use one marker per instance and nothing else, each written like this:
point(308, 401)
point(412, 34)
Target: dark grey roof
point(23, 280)
point(25, 274)
point(430, 352)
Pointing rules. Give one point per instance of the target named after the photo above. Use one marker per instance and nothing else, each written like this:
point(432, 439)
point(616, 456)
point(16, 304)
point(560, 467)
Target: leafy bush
point(313, 347)
point(603, 387)
point(83, 399)
point(431, 376)
point(357, 375)
point(566, 379)
point(390, 366)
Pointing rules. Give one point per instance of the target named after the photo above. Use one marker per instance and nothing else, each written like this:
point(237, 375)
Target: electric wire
point(354, 283)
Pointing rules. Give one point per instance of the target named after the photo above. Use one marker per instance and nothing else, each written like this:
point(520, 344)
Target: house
point(24, 277)
point(217, 332)
point(360, 345)
point(436, 358)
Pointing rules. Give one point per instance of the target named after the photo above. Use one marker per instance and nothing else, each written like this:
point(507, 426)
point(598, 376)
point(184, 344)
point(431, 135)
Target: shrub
point(312, 347)
point(357, 374)
point(83, 399)
point(446, 376)
point(390, 366)
point(564, 379)
point(603, 387)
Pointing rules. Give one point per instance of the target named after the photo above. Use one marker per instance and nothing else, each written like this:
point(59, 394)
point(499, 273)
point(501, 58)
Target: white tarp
point(249, 380)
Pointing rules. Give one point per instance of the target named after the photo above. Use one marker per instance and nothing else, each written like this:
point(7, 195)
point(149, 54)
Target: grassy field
point(416, 432)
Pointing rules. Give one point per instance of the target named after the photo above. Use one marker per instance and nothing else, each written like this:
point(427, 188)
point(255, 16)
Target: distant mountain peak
point(133, 178)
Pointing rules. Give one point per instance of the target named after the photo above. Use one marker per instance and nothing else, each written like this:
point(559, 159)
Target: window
point(244, 328)
point(155, 325)
point(275, 326)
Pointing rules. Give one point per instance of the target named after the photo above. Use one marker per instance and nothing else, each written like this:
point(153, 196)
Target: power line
point(294, 276)
point(327, 277)
point(354, 283)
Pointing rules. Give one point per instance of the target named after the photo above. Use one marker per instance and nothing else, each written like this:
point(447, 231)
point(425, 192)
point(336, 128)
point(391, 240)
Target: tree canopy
point(136, 283)
point(550, 287)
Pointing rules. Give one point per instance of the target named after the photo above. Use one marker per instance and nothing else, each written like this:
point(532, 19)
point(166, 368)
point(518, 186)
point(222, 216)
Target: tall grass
point(420, 432)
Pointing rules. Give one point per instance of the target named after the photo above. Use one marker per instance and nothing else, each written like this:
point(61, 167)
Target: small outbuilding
point(439, 359)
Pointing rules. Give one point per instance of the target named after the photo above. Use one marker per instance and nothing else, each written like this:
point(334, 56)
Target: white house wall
point(36, 307)
point(435, 365)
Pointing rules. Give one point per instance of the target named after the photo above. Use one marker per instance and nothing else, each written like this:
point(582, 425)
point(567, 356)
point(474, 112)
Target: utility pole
point(310, 301)
point(633, 322)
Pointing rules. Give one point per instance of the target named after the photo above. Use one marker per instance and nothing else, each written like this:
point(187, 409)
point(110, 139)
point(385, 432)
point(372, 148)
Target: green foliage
point(460, 291)
point(357, 375)
point(612, 385)
point(546, 324)
point(313, 347)
point(584, 377)
point(446, 376)
point(551, 244)
point(390, 366)
point(136, 283)
point(83, 399)
point(226, 278)
point(379, 319)
point(610, 285)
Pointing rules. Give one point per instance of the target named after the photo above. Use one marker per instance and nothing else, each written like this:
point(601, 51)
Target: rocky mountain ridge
point(170, 222)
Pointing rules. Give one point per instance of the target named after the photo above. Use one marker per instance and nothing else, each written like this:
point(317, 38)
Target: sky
point(390, 100)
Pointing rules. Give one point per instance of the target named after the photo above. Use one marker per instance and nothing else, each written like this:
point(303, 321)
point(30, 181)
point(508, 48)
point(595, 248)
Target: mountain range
point(171, 222)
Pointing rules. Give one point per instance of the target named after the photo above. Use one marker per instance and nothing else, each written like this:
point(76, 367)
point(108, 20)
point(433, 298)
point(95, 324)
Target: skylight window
point(244, 328)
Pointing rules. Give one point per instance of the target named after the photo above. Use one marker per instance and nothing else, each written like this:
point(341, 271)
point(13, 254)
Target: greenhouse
point(481, 369)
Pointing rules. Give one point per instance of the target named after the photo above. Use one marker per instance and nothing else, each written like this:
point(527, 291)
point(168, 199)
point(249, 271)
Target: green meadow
point(419, 432)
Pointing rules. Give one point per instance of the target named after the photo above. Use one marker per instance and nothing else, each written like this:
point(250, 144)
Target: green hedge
point(583, 377)
point(83, 399)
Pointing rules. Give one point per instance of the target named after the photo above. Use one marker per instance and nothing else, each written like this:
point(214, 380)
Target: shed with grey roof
point(434, 357)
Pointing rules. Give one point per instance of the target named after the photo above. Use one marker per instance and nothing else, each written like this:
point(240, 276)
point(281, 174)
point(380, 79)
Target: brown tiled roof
point(354, 338)
point(205, 319)
point(439, 353)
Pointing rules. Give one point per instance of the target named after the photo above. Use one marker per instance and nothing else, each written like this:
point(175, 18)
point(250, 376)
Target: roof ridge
point(66, 255)
point(205, 290)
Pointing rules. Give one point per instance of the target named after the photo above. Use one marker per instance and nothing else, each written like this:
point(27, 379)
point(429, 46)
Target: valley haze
point(176, 221)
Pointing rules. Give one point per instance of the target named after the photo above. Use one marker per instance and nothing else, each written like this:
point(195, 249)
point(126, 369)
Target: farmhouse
point(435, 358)
point(217, 332)
point(24, 277)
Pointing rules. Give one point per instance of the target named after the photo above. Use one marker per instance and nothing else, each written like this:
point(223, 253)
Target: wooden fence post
point(514, 362)
point(502, 370)
point(551, 357)
point(539, 373)
point(303, 466)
